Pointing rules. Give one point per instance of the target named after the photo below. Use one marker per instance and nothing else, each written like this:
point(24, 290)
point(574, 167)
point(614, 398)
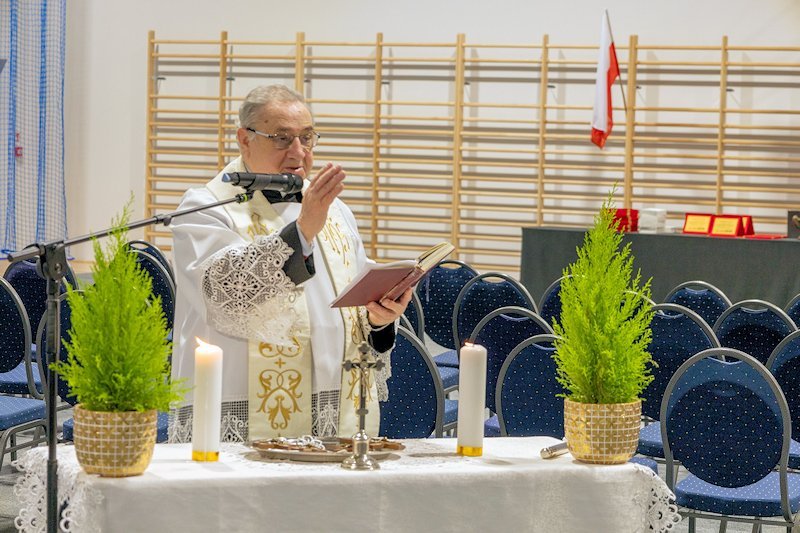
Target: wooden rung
point(186, 56)
point(500, 106)
point(198, 166)
point(414, 103)
point(479, 60)
point(489, 252)
point(181, 179)
point(489, 237)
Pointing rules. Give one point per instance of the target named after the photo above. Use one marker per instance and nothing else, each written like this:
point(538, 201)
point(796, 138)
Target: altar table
point(426, 488)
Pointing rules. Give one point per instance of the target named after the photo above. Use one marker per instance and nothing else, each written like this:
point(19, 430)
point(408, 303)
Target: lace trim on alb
point(380, 376)
point(247, 293)
point(233, 426)
point(235, 419)
point(325, 413)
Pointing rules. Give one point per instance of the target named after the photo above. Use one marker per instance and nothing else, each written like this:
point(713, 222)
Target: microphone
point(285, 183)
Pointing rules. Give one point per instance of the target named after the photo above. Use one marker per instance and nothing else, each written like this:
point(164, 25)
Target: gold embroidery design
point(268, 350)
point(279, 396)
point(333, 234)
point(257, 227)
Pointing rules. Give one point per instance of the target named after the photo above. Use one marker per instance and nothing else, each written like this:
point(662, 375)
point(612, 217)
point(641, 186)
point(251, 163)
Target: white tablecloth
point(427, 488)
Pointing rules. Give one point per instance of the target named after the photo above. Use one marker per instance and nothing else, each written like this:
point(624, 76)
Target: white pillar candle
point(207, 401)
point(471, 399)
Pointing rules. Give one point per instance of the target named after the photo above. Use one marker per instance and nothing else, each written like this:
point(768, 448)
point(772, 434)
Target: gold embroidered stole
point(280, 377)
point(338, 243)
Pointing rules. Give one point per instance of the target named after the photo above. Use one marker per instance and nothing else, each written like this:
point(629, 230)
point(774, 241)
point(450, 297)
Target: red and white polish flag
point(607, 72)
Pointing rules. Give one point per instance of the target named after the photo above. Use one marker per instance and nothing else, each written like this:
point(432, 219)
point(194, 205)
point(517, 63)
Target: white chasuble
point(280, 371)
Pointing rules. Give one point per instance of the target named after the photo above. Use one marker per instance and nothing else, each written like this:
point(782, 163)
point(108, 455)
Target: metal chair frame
point(726, 355)
point(480, 277)
point(408, 334)
point(8, 442)
point(505, 311)
point(536, 339)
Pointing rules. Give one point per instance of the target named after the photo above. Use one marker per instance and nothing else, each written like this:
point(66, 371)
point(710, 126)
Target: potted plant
point(118, 362)
point(601, 356)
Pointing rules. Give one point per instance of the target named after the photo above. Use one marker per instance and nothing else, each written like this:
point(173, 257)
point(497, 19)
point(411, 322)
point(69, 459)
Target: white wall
point(106, 64)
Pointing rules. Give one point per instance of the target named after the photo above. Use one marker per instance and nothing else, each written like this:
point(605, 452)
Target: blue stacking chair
point(416, 407)
point(728, 424)
point(754, 327)
point(703, 298)
point(784, 363)
point(17, 414)
point(678, 333)
point(550, 304)
point(526, 391)
point(156, 252)
point(483, 294)
point(32, 290)
point(163, 285)
point(793, 309)
point(500, 332)
point(437, 294)
point(415, 316)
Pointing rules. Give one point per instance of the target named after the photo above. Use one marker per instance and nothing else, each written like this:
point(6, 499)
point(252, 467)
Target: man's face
point(260, 153)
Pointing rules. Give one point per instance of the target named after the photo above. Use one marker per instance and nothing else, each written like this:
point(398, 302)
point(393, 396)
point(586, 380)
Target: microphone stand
point(52, 265)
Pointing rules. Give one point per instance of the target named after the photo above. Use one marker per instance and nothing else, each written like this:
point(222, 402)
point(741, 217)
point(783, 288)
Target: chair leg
point(756, 528)
point(13, 444)
point(723, 526)
point(692, 525)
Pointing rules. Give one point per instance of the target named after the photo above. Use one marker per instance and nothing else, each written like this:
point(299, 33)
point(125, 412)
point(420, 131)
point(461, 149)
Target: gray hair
point(262, 96)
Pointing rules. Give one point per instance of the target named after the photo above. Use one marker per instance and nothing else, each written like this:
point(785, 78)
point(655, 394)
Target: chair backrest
point(678, 334)
point(527, 401)
point(415, 408)
point(550, 304)
point(437, 292)
point(483, 294)
point(415, 316)
point(163, 285)
point(65, 320)
point(793, 309)
point(703, 298)
point(754, 327)
point(500, 332)
point(727, 422)
point(156, 252)
point(15, 329)
point(784, 363)
point(32, 287)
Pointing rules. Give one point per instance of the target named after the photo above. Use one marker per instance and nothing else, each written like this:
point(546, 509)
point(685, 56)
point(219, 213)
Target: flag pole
point(619, 78)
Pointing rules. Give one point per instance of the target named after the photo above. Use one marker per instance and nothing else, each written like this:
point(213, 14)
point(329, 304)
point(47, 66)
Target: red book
point(390, 280)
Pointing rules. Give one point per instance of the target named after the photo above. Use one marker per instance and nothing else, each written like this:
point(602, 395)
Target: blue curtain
point(32, 198)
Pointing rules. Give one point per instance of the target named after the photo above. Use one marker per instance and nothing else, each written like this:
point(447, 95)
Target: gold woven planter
point(114, 444)
point(602, 433)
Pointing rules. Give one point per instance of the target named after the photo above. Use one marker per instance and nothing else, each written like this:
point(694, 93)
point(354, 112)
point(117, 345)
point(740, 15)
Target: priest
point(257, 279)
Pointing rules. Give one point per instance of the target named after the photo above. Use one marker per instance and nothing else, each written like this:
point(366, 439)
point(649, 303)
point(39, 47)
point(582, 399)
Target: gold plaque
point(727, 226)
point(699, 223)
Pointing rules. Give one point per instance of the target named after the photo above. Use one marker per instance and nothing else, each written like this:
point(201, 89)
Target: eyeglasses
point(282, 141)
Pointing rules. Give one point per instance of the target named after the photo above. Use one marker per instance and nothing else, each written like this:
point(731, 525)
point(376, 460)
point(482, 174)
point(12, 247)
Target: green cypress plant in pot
point(118, 362)
point(601, 353)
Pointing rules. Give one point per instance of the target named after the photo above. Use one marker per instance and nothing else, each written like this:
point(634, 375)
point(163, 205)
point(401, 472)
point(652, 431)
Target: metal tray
point(315, 456)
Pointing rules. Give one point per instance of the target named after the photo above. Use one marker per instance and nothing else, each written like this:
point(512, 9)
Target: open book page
point(390, 280)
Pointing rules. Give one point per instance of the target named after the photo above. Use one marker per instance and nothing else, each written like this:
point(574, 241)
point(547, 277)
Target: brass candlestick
point(360, 459)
